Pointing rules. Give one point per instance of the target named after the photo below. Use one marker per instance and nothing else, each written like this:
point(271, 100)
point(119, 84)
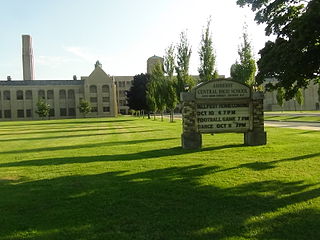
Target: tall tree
point(137, 94)
point(207, 69)
point(169, 61)
point(294, 57)
point(160, 85)
point(184, 80)
point(244, 71)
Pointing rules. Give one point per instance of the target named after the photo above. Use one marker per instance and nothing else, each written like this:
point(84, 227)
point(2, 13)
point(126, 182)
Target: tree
point(159, 88)
point(294, 57)
point(245, 70)
point(43, 109)
point(171, 95)
point(280, 96)
point(137, 94)
point(84, 107)
point(299, 98)
point(169, 60)
point(151, 97)
point(184, 80)
point(207, 69)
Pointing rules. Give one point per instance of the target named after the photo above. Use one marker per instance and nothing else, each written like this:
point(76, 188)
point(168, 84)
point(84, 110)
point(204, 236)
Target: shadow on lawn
point(259, 166)
point(64, 122)
point(159, 204)
point(92, 145)
point(150, 154)
point(64, 130)
point(77, 135)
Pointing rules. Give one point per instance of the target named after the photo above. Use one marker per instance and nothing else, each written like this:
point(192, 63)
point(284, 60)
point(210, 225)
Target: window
point(19, 95)
point(0, 114)
point(105, 88)
point(123, 102)
point(105, 99)
point(71, 95)
point(20, 113)
point(6, 95)
point(29, 94)
point(62, 94)
point(41, 94)
point(106, 109)
point(122, 93)
point(93, 99)
point(51, 112)
point(29, 113)
point(50, 94)
point(63, 112)
point(72, 111)
point(93, 89)
point(94, 109)
point(7, 113)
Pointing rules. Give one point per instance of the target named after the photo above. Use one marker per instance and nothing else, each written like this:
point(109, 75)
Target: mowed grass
point(128, 178)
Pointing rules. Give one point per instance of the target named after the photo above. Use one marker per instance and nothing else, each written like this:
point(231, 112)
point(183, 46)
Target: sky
point(69, 36)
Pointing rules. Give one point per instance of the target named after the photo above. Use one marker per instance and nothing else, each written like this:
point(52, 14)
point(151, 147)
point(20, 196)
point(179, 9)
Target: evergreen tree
point(207, 69)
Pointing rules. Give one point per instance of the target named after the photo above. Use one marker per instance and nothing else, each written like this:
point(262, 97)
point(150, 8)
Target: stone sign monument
point(222, 106)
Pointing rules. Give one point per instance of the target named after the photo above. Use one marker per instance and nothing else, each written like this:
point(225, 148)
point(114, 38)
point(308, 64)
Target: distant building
point(311, 100)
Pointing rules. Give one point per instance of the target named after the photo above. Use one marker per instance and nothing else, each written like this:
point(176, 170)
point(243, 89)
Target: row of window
point(95, 99)
point(64, 112)
point(123, 83)
point(21, 95)
point(93, 89)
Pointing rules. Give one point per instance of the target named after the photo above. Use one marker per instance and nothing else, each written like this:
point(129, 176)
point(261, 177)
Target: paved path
point(314, 126)
point(296, 114)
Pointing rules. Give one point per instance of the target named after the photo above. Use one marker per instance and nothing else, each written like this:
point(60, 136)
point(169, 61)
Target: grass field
point(128, 178)
point(293, 118)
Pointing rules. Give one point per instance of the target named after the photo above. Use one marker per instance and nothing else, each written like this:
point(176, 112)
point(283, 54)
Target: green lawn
point(128, 178)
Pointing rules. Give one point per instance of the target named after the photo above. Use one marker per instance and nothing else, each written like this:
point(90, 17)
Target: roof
point(42, 83)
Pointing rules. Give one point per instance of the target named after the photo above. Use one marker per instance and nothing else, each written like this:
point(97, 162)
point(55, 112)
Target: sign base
point(255, 138)
point(191, 140)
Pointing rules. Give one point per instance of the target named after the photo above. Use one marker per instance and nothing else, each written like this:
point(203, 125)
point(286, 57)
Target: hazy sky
point(70, 35)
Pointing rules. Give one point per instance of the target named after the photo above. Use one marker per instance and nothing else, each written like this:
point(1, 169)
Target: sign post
point(222, 106)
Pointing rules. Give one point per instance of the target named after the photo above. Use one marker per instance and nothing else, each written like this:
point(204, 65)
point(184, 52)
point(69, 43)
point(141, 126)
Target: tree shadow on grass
point(149, 154)
point(77, 135)
point(64, 130)
point(88, 145)
point(65, 122)
point(159, 204)
point(260, 166)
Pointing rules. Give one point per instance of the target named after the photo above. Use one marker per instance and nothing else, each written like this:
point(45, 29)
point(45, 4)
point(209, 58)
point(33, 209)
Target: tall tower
point(152, 61)
point(27, 58)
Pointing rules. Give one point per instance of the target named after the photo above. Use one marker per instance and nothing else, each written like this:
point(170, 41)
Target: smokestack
point(27, 58)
